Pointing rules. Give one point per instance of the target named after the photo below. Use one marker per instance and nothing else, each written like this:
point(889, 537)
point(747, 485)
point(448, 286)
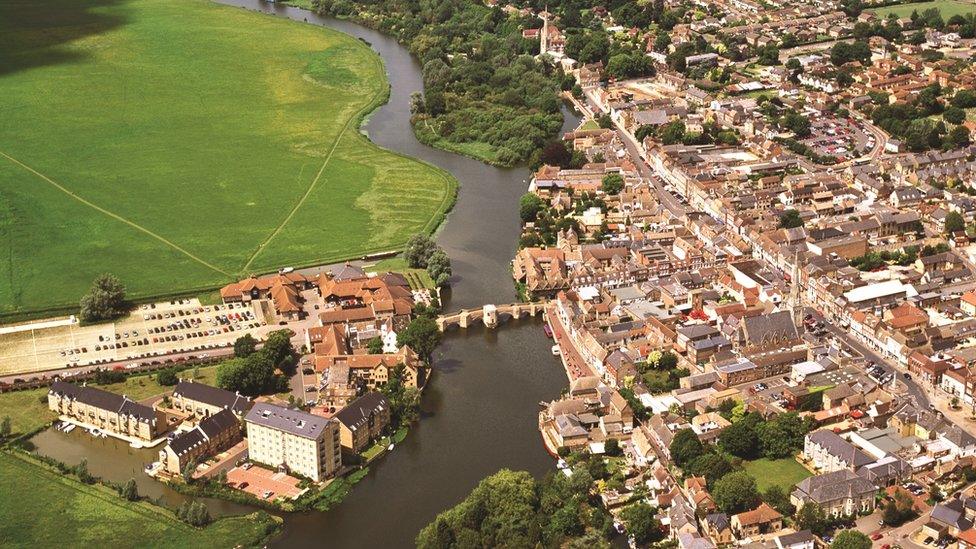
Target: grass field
point(181, 144)
point(782, 472)
point(44, 509)
point(28, 412)
point(947, 8)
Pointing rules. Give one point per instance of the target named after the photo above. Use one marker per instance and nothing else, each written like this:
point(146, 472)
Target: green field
point(782, 472)
point(41, 508)
point(181, 144)
point(947, 8)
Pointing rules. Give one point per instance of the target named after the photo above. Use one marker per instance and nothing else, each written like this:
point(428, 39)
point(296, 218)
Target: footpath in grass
point(780, 472)
point(947, 8)
point(180, 144)
point(41, 508)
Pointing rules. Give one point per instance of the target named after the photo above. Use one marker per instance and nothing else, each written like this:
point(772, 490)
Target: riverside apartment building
point(304, 444)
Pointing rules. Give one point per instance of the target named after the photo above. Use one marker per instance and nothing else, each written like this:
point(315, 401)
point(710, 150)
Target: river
point(479, 413)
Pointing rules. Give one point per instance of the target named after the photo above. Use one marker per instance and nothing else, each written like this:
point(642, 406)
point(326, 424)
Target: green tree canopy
point(245, 345)
point(851, 539)
point(105, 299)
point(736, 492)
point(612, 183)
point(421, 335)
point(642, 524)
point(685, 447)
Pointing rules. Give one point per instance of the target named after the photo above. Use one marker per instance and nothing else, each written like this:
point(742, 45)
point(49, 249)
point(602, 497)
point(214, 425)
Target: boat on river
point(555, 350)
point(547, 330)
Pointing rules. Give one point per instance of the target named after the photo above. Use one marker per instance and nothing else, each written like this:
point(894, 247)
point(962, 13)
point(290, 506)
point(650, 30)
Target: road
point(918, 394)
point(667, 199)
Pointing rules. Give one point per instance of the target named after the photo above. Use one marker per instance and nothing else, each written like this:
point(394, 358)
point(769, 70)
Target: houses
point(212, 434)
point(363, 421)
point(203, 400)
point(112, 413)
point(761, 520)
point(302, 443)
point(838, 493)
point(829, 452)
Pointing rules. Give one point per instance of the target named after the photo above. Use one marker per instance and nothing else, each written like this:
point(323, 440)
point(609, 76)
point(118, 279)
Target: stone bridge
point(489, 315)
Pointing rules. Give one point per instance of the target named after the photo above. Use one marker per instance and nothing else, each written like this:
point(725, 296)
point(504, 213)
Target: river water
point(479, 413)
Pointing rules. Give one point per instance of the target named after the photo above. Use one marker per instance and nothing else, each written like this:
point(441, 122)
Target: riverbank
point(52, 510)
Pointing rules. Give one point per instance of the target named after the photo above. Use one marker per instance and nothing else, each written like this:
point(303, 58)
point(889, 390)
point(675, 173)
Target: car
point(267, 494)
point(906, 375)
point(876, 536)
point(927, 540)
point(247, 466)
point(243, 485)
point(886, 546)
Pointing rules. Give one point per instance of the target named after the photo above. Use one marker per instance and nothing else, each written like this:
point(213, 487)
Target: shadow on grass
point(35, 34)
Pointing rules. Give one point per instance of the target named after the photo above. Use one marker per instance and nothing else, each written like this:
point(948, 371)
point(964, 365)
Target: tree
point(685, 447)
point(245, 345)
point(404, 401)
point(167, 377)
point(105, 299)
point(642, 524)
point(954, 115)
point(129, 492)
point(612, 183)
point(712, 466)
point(419, 249)
point(851, 539)
point(812, 517)
point(954, 222)
point(529, 207)
point(279, 350)
point(5, 427)
point(779, 500)
point(421, 335)
point(740, 440)
point(798, 124)
point(375, 345)
point(251, 376)
point(736, 492)
point(555, 153)
point(790, 219)
point(612, 447)
point(439, 268)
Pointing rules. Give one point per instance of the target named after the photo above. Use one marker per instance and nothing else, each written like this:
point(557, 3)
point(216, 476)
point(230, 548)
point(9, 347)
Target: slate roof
point(294, 422)
point(358, 412)
point(760, 328)
point(823, 489)
point(104, 400)
point(214, 396)
point(208, 428)
point(840, 448)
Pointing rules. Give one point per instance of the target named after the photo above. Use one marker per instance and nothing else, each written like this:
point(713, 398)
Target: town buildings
point(112, 413)
point(301, 443)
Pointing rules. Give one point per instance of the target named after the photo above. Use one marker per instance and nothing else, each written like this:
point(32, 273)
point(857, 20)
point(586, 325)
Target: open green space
point(781, 472)
point(947, 8)
point(181, 144)
point(41, 508)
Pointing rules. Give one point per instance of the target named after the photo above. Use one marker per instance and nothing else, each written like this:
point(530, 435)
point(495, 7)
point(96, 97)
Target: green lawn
point(783, 472)
point(28, 412)
point(180, 144)
point(418, 278)
point(41, 508)
point(947, 8)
